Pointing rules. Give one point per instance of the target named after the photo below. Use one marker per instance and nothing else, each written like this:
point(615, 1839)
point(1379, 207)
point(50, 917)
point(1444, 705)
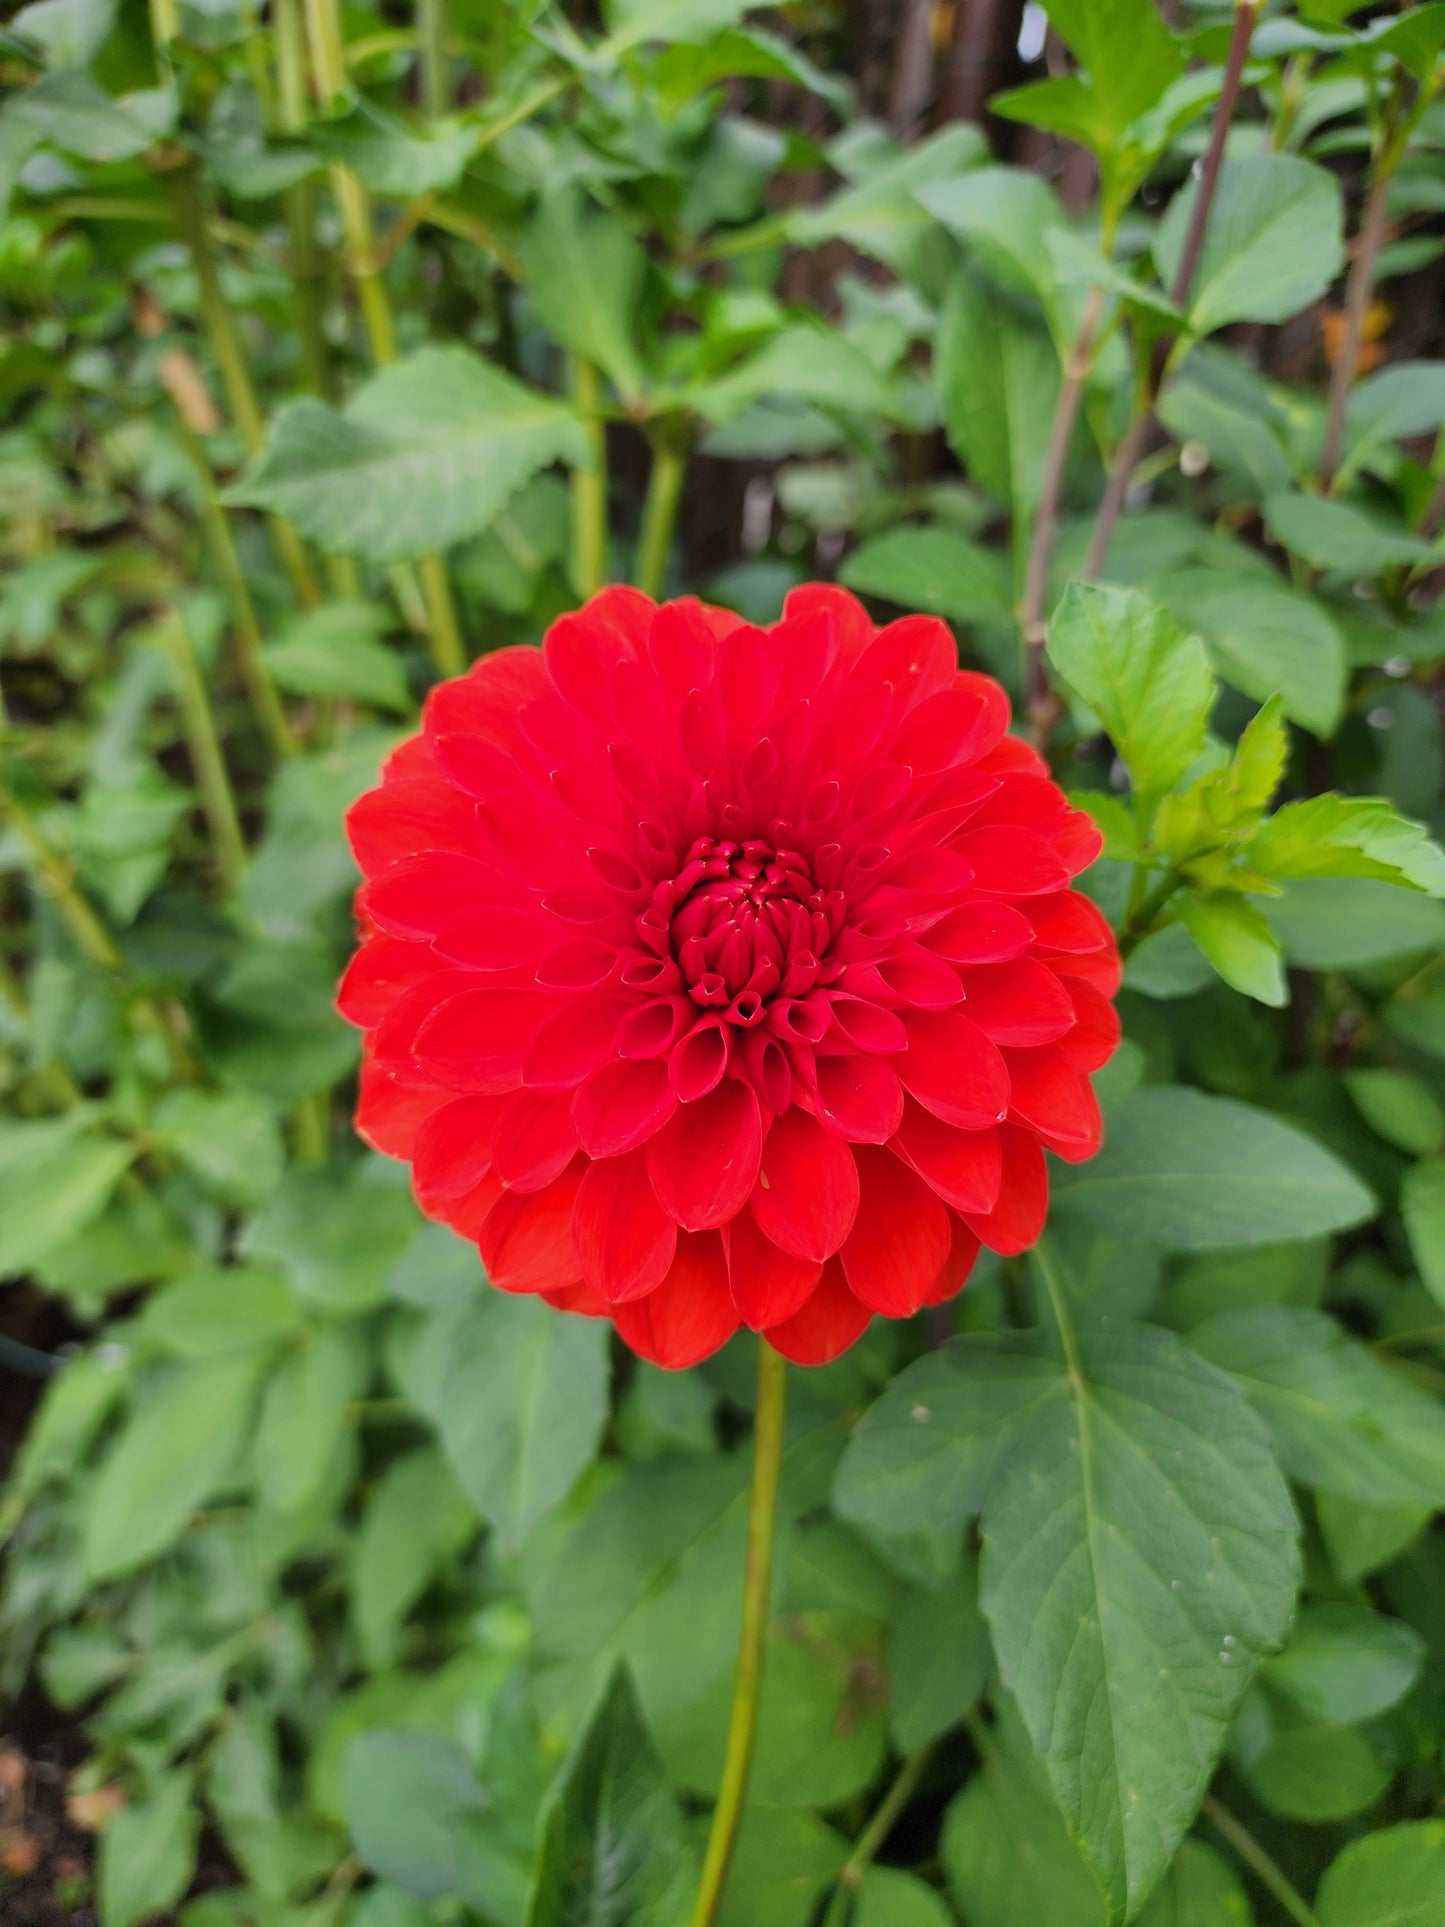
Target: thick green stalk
point(225, 342)
point(431, 16)
point(757, 1582)
point(659, 512)
point(307, 271)
point(204, 743)
point(589, 485)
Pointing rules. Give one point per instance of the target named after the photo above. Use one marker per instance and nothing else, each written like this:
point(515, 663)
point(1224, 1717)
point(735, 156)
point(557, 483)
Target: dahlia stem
point(757, 1580)
point(589, 485)
point(659, 513)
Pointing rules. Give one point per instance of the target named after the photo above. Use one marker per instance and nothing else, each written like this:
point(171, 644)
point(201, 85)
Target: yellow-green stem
point(311, 1128)
point(435, 81)
point(56, 879)
point(875, 1834)
point(589, 485)
point(204, 743)
point(241, 400)
point(659, 512)
point(757, 1581)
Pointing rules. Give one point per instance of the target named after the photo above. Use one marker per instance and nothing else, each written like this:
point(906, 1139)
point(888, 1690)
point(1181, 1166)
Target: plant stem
point(323, 20)
point(57, 879)
point(235, 375)
point(300, 198)
point(659, 512)
point(1140, 920)
point(204, 743)
point(1258, 1861)
point(1357, 296)
point(875, 1834)
point(435, 81)
point(757, 1578)
point(1041, 542)
point(589, 485)
point(1129, 450)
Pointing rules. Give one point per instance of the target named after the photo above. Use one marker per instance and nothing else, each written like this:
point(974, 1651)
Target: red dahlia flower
point(715, 975)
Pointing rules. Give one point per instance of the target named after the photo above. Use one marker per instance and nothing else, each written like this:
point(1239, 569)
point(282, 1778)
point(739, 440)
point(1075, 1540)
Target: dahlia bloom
point(714, 975)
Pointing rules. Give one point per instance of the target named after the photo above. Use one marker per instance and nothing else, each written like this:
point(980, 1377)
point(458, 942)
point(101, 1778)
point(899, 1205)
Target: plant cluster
point(344, 347)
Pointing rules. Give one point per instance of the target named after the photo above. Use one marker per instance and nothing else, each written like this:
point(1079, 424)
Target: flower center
point(745, 923)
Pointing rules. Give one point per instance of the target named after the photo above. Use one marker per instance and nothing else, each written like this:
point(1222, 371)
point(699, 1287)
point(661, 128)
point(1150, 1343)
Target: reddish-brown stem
point(1357, 301)
point(1129, 450)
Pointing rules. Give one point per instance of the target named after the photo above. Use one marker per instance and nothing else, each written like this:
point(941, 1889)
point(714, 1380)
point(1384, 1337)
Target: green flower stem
point(659, 512)
point(435, 79)
point(875, 1834)
point(203, 740)
point(1253, 1855)
point(1139, 923)
point(57, 879)
point(307, 265)
point(328, 65)
point(589, 485)
point(241, 400)
point(757, 1581)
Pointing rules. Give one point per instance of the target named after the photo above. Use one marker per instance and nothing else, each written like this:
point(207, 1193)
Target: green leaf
point(1422, 1205)
point(175, 1450)
point(1345, 1663)
point(76, 1403)
point(1348, 836)
point(147, 1854)
point(928, 1451)
point(424, 454)
point(998, 377)
point(53, 1182)
point(337, 1234)
point(1240, 944)
point(939, 1659)
point(1393, 1878)
point(1200, 406)
point(417, 1518)
point(220, 1308)
point(883, 214)
point(1189, 1172)
point(631, 23)
point(393, 158)
point(414, 1808)
point(1139, 1558)
point(683, 71)
point(231, 1141)
point(568, 248)
point(1264, 640)
point(1272, 244)
point(1338, 536)
point(1399, 1108)
point(390, 1907)
point(1362, 1537)
point(334, 652)
point(933, 570)
point(1007, 215)
point(780, 1864)
point(612, 1844)
point(1198, 1891)
point(1008, 1858)
point(68, 109)
point(888, 1898)
point(1392, 405)
point(1343, 923)
point(1127, 53)
point(69, 32)
point(1318, 1773)
point(1340, 1419)
point(522, 1407)
point(1148, 682)
point(807, 364)
point(305, 1414)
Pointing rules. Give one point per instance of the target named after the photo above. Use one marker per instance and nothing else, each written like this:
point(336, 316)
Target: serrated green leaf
point(1272, 244)
point(1146, 679)
point(334, 652)
point(1139, 1559)
point(1348, 836)
point(932, 569)
point(569, 247)
point(1332, 535)
point(997, 376)
point(1240, 944)
point(1264, 639)
point(806, 364)
point(423, 455)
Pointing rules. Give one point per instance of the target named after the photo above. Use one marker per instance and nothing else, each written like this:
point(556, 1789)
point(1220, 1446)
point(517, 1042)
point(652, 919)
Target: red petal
point(696, 1064)
point(868, 1026)
point(953, 1273)
point(536, 1141)
point(577, 1037)
point(953, 1069)
point(483, 938)
point(1021, 1002)
point(407, 817)
point(580, 650)
point(859, 1097)
point(704, 1161)
point(1095, 1036)
point(1078, 842)
point(622, 1104)
point(468, 1211)
point(476, 1042)
point(420, 896)
point(900, 1239)
point(1050, 1097)
point(579, 1298)
point(1068, 920)
point(965, 1168)
point(526, 1240)
point(1023, 1200)
point(380, 972)
point(807, 1194)
point(956, 726)
point(768, 1284)
point(916, 655)
point(625, 1240)
point(395, 1100)
point(831, 1321)
point(978, 933)
point(489, 698)
point(691, 1313)
point(853, 626)
point(1012, 863)
point(910, 975)
point(455, 1147)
